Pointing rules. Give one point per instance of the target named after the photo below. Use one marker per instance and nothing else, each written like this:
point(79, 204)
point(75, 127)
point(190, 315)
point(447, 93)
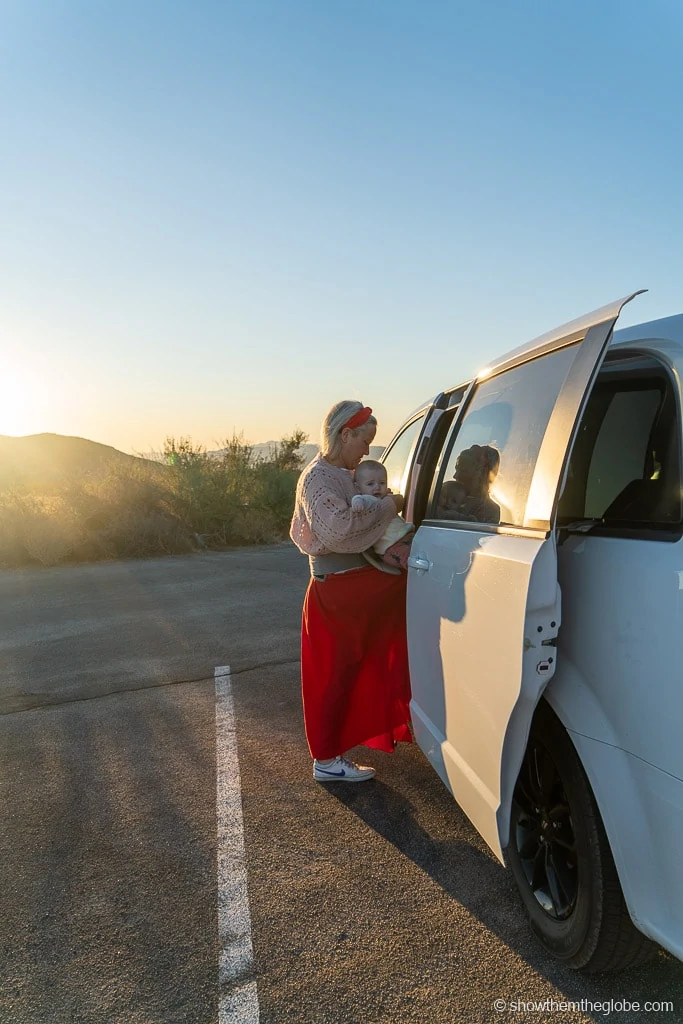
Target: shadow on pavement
point(109, 904)
point(469, 874)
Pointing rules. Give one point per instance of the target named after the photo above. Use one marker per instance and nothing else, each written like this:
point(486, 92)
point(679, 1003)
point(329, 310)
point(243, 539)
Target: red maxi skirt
point(354, 662)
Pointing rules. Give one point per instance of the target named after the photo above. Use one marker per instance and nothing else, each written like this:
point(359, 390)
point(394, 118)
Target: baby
point(393, 547)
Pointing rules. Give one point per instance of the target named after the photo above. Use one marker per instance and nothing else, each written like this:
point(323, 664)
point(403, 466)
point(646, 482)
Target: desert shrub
point(137, 535)
point(35, 529)
point(230, 497)
point(273, 492)
point(190, 500)
point(207, 493)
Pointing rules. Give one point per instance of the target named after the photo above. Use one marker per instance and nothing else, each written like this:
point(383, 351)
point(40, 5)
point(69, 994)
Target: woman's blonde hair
point(333, 424)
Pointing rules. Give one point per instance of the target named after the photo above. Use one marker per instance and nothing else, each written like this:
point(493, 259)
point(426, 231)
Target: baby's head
point(371, 478)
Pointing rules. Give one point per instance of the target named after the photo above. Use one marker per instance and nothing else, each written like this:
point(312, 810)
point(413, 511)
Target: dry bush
point(121, 513)
point(37, 529)
point(130, 511)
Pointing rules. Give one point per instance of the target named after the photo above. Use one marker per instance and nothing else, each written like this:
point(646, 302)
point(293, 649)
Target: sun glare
point(18, 406)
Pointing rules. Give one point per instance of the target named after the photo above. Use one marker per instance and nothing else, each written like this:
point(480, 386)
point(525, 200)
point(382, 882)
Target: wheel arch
point(609, 771)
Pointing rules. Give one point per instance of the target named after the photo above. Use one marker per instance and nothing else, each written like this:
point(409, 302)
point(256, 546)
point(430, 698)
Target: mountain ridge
point(307, 451)
point(49, 456)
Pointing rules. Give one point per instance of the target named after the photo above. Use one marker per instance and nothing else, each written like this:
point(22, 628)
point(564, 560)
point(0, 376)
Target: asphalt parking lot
point(375, 903)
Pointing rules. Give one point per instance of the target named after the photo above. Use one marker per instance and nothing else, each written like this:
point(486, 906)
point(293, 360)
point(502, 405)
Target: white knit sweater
point(324, 521)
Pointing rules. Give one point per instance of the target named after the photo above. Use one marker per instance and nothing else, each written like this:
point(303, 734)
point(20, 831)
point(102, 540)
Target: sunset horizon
point(228, 219)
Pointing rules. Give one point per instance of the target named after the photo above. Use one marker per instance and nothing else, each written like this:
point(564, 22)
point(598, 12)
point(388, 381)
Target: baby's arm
point(359, 501)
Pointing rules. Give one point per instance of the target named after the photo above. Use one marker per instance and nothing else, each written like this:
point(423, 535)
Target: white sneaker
point(342, 770)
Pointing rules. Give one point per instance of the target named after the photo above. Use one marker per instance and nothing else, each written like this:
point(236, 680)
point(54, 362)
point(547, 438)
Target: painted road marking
point(237, 994)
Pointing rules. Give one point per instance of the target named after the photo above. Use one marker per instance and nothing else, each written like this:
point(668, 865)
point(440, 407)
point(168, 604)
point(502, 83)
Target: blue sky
point(222, 216)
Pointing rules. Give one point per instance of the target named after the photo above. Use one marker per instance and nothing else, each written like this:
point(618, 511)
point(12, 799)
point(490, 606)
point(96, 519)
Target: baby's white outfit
point(396, 529)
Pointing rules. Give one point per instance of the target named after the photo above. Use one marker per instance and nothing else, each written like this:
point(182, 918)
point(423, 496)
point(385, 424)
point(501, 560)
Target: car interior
point(624, 471)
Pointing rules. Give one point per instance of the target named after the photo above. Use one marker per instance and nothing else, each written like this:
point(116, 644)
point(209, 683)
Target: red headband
point(359, 418)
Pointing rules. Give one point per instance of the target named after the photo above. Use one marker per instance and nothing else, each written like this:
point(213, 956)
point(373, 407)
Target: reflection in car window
point(468, 496)
point(396, 459)
point(506, 420)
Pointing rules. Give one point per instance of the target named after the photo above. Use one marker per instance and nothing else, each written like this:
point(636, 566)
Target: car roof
point(668, 328)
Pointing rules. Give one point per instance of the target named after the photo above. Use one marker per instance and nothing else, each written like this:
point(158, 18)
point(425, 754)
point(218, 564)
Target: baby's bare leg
point(398, 553)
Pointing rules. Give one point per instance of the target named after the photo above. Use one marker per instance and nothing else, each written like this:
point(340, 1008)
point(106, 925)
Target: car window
point(625, 466)
point(621, 449)
point(490, 463)
point(396, 458)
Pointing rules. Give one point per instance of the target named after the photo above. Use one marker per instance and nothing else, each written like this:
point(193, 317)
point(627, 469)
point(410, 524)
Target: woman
point(354, 657)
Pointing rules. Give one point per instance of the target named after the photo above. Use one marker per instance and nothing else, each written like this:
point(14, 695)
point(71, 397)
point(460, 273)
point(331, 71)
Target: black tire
point(561, 860)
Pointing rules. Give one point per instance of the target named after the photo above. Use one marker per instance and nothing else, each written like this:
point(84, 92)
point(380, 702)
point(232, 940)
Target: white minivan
point(546, 641)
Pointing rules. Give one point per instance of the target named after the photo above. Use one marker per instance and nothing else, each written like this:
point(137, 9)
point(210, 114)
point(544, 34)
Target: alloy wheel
point(544, 835)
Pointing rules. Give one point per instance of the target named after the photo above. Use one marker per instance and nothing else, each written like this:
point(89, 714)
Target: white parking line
point(237, 995)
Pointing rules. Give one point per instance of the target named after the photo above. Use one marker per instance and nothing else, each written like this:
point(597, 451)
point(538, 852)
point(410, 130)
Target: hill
point(48, 457)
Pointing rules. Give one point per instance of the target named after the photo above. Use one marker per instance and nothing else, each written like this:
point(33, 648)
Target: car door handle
point(419, 562)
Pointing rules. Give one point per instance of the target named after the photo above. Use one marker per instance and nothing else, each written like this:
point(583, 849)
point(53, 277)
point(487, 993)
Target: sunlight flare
point(19, 402)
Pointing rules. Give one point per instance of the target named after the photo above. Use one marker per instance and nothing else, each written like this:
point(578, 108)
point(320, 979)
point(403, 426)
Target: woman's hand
point(398, 502)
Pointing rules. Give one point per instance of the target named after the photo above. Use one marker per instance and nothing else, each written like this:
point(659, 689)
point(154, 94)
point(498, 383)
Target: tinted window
point(625, 464)
point(493, 456)
point(621, 448)
point(396, 458)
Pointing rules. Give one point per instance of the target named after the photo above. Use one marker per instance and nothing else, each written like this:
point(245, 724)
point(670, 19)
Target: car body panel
point(642, 811)
point(668, 329)
point(632, 593)
point(470, 720)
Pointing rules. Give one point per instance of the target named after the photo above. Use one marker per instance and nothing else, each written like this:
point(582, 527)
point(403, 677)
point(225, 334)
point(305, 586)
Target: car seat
point(650, 500)
point(638, 501)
